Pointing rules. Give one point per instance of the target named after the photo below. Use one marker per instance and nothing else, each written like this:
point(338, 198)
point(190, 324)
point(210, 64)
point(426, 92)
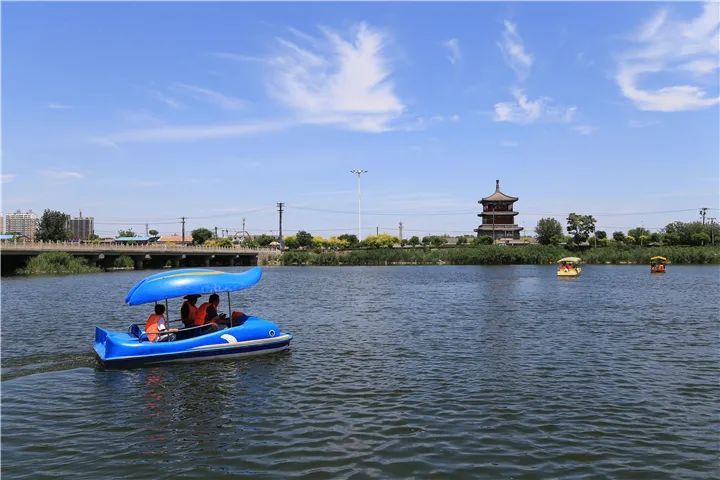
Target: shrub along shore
point(500, 255)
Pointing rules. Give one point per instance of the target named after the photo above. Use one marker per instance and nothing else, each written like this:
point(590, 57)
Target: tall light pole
point(359, 172)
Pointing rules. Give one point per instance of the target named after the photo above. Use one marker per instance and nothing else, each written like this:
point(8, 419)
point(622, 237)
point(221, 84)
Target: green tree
point(126, 233)
point(601, 235)
point(201, 235)
point(655, 237)
point(546, 229)
point(580, 227)
point(53, 226)
point(437, 240)
point(414, 241)
point(350, 238)
point(483, 240)
point(700, 238)
point(619, 236)
point(263, 240)
point(382, 240)
point(640, 234)
point(304, 239)
point(153, 233)
point(462, 240)
point(291, 242)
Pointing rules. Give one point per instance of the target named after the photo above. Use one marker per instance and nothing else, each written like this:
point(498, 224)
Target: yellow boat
point(657, 264)
point(569, 267)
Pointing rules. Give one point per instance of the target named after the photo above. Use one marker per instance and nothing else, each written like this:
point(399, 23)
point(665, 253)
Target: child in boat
point(156, 326)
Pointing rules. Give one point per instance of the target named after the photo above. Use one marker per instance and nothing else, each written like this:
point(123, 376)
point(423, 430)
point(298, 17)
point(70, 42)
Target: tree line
point(580, 228)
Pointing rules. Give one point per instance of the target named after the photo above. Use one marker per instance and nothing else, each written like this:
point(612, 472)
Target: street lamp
point(359, 172)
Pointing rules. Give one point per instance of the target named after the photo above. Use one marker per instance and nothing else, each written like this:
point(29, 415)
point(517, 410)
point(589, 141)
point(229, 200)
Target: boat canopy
point(188, 281)
point(569, 260)
point(662, 259)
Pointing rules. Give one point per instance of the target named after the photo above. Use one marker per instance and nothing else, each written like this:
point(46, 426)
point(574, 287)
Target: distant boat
point(569, 267)
point(252, 336)
point(657, 264)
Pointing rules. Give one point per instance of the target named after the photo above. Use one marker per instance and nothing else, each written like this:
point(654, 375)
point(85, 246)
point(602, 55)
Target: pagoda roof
point(496, 214)
point(498, 196)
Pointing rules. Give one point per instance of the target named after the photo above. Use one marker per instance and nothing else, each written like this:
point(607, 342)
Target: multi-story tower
point(81, 228)
point(21, 223)
point(498, 216)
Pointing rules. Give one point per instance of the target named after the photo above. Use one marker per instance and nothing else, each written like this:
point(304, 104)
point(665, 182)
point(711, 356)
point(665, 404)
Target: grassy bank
point(500, 255)
point(57, 263)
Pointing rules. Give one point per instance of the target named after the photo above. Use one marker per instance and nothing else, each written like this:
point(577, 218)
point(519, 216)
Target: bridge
point(15, 254)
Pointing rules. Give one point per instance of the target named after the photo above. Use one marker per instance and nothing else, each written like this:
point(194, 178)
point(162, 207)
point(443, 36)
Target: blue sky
point(140, 113)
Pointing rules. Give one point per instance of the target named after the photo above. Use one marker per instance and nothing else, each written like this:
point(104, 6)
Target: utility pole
point(280, 206)
point(377, 231)
point(358, 172)
point(243, 230)
point(215, 232)
point(712, 231)
point(147, 232)
point(183, 229)
point(703, 212)
point(400, 228)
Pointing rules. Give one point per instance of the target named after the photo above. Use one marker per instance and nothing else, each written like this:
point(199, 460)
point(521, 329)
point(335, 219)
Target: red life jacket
point(154, 324)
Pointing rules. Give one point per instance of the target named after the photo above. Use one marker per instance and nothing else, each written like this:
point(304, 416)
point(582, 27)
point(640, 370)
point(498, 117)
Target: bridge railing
point(129, 248)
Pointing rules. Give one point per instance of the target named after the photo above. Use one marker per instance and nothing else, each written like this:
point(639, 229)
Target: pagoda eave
point(497, 214)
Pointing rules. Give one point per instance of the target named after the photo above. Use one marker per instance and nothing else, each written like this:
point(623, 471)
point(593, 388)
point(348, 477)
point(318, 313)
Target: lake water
point(394, 372)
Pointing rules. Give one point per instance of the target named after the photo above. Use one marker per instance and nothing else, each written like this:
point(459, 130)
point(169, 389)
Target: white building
point(22, 223)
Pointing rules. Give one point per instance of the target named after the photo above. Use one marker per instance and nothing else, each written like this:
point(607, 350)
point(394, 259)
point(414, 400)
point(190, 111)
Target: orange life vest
point(155, 324)
point(201, 313)
point(192, 313)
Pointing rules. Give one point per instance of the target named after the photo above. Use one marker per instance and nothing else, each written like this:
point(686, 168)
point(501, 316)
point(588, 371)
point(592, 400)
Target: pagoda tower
point(498, 216)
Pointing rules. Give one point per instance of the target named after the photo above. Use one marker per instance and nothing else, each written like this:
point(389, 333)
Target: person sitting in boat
point(207, 314)
point(156, 326)
point(189, 309)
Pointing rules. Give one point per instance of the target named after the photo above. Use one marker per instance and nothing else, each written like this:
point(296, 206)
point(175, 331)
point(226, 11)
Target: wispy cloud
point(525, 111)
point(59, 106)
point(680, 51)
point(513, 49)
point(190, 132)
point(166, 99)
point(7, 177)
point(223, 101)
point(238, 57)
point(453, 45)
point(338, 81)
point(61, 175)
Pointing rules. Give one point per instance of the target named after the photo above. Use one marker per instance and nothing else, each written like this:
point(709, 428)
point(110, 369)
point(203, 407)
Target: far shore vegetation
point(680, 242)
point(57, 263)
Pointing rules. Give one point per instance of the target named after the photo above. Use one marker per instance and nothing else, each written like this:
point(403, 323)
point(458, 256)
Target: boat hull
point(569, 273)
point(254, 337)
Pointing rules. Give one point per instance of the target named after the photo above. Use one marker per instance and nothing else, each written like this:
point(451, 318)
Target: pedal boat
point(255, 336)
point(569, 267)
point(657, 264)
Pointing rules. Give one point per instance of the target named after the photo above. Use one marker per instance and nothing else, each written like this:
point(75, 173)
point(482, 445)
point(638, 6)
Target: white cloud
point(685, 51)
point(167, 100)
point(7, 177)
point(513, 49)
point(525, 111)
point(190, 132)
point(217, 98)
point(453, 45)
point(338, 81)
point(58, 106)
point(61, 175)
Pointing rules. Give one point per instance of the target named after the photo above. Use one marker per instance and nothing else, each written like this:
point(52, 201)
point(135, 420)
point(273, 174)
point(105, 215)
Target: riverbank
point(500, 255)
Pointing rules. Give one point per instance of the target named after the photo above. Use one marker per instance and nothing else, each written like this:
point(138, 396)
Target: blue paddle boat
point(254, 336)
